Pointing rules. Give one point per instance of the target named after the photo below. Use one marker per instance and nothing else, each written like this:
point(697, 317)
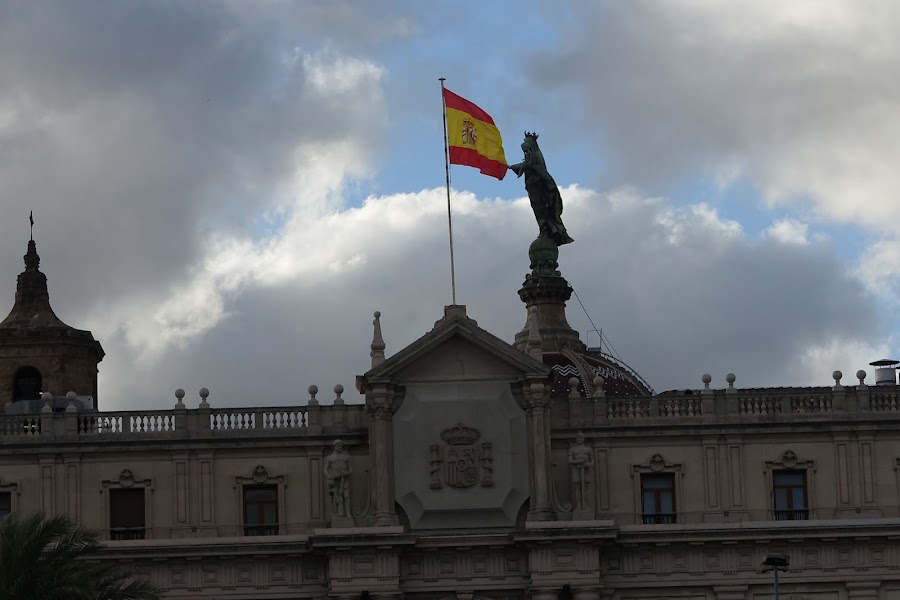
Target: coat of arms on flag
point(463, 462)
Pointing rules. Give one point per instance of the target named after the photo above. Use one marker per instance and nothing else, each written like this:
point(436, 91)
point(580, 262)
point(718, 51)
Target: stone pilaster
point(538, 410)
point(379, 408)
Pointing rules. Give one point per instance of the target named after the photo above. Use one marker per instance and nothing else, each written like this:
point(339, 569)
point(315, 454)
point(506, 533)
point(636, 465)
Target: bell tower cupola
point(38, 352)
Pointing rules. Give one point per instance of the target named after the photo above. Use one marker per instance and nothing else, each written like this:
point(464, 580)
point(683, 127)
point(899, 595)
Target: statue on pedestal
point(581, 463)
point(546, 201)
point(337, 472)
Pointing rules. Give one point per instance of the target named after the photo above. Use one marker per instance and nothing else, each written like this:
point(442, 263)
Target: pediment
point(457, 349)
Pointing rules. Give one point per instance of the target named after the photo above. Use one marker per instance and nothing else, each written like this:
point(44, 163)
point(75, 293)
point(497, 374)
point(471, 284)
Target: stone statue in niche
point(581, 464)
point(337, 472)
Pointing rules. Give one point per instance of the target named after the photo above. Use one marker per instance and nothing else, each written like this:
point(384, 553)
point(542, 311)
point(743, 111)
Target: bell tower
point(38, 352)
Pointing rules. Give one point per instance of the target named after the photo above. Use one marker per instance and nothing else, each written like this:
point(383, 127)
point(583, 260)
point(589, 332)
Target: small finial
point(706, 379)
point(377, 347)
point(47, 397)
point(730, 378)
point(338, 390)
point(31, 220)
point(204, 394)
point(598, 386)
point(70, 408)
point(313, 390)
point(861, 375)
point(837, 375)
point(573, 388)
point(179, 394)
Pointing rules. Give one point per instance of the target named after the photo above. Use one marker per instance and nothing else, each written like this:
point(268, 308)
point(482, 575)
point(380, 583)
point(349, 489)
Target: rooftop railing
point(181, 422)
point(730, 404)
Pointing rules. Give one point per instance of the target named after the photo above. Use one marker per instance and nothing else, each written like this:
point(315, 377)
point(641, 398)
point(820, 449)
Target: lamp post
point(776, 561)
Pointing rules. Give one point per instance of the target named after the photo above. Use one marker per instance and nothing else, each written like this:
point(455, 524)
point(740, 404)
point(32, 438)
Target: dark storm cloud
point(135, 130)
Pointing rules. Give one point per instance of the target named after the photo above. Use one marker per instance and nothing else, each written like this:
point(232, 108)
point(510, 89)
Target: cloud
point(678, 290)
point(800, 98)
point(143, 135)
point(194, 170)
point(787, 231)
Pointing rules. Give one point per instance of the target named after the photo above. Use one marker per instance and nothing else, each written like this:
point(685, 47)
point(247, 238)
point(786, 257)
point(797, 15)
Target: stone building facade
point(468, 468)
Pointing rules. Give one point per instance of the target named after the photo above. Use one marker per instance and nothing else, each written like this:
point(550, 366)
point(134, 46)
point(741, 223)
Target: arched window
point(27, 384)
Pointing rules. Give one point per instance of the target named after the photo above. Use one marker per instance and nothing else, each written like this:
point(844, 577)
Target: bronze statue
point(546, 201)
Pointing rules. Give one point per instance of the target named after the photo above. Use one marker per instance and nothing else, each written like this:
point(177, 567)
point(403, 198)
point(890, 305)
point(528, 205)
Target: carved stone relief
point(465, 462)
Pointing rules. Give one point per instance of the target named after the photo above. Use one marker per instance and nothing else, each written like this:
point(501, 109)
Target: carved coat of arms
point(463, 461)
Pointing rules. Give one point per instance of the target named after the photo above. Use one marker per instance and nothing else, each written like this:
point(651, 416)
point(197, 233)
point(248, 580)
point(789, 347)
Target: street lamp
point(776, 561)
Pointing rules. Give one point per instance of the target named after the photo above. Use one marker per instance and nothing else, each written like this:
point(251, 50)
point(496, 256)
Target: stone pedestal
point(548, 291)
point(341, 522)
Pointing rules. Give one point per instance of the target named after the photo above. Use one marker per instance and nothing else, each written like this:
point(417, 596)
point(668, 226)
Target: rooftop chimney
point(885, 371)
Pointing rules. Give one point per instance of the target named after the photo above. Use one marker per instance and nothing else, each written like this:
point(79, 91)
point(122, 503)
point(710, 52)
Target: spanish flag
point(472, 137)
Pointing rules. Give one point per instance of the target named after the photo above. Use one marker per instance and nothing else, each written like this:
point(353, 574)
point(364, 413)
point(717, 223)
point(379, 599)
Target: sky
point(225, 191)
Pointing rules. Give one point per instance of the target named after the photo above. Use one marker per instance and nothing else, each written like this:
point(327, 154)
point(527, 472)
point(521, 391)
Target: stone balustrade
point(731, 404)
point(182, 423)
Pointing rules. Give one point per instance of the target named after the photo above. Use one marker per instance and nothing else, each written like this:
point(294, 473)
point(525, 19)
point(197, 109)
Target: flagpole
point(447, 173)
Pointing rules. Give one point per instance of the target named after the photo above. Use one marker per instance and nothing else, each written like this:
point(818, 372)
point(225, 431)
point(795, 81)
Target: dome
point(618, 378)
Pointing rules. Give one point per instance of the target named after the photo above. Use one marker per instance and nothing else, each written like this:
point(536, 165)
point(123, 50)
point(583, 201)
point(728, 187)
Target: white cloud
point(879, 268)
point(193, 193)
point(788, 231)
point(800, 98)
point(679, 291)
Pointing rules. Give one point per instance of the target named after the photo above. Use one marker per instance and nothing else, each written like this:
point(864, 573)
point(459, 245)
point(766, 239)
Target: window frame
point(260, 476)
point(127, 480)
point(263, 527)
point(11, 488)
point(658, 465)
point(790, 512)
point(127, 532)
point(789, 461)
point(658, 517)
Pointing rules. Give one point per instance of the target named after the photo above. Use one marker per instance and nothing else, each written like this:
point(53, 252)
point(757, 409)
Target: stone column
point(539, 407)
point(379, 407)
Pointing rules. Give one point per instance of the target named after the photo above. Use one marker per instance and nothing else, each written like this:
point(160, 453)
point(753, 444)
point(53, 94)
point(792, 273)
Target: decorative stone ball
point(338, 389)
point(730, 378)
point(179, 393)
point(861, 375)
point(313, 390)
point(573, 382)
point(707, 378)
point(837, 375)
point(204, 393)
point(46, 396)
point(543, 250)
point(70, 395)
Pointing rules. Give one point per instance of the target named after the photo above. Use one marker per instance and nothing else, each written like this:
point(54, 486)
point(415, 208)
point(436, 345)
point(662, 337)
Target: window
point(658, 498)
point(789, 493)
point(260, 510)
point(126, 514)
point(5, 503)
point(27, 384)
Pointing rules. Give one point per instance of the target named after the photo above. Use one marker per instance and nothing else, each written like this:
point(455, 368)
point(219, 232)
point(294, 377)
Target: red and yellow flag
point(473, 138)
